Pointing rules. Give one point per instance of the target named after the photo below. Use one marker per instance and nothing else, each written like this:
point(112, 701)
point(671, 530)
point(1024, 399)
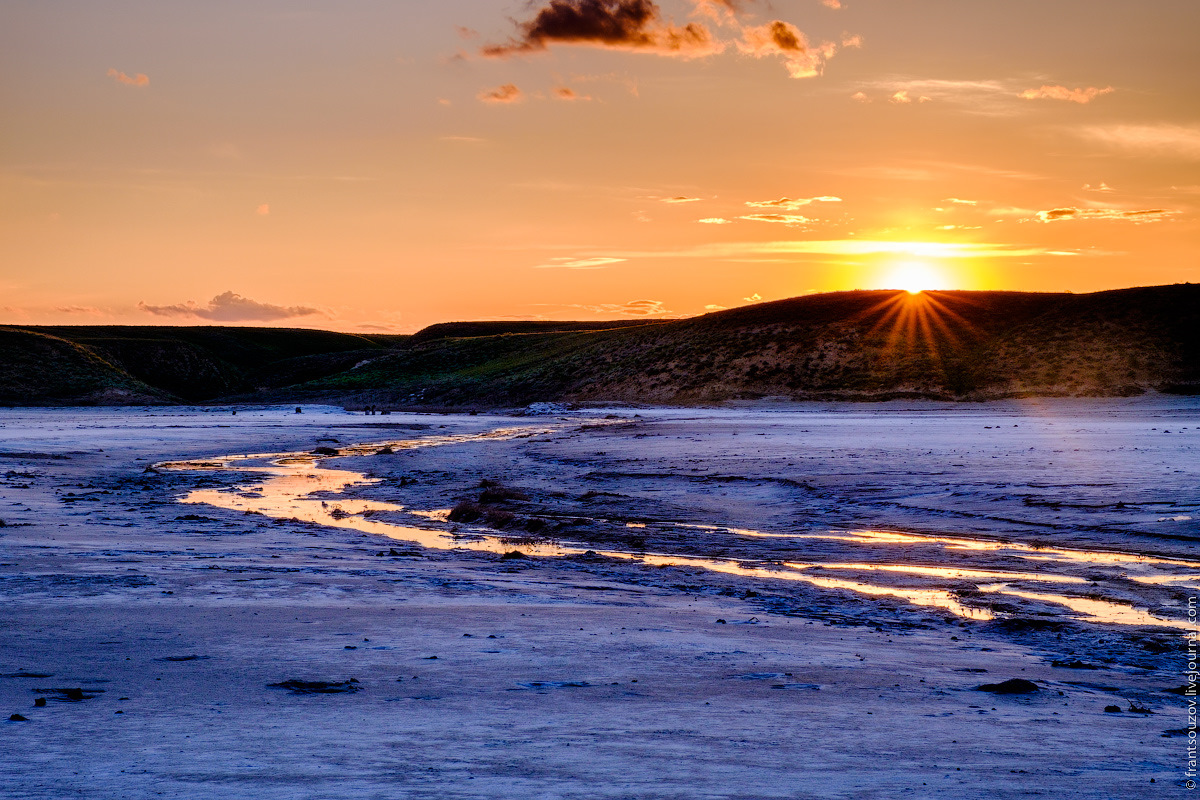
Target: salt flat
point(765, 601)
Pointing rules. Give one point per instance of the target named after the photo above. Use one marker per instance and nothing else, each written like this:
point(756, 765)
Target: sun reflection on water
point(300, 487)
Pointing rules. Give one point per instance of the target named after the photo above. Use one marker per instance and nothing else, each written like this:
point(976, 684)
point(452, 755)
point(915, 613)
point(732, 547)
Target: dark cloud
point(231, 307)
point(623, 24)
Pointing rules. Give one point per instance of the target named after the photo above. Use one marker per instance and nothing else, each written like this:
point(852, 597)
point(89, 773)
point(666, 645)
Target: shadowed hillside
point(36, 367)
point(135, 364)
point(847, 345)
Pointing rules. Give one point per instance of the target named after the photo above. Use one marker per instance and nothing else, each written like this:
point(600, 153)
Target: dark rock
point(318, 687)
point(513, 554)
point(1113, 709)
point(1076, 664)
point(39, 702)
point(325, 451)
point(18, 718)
point(1010, 686)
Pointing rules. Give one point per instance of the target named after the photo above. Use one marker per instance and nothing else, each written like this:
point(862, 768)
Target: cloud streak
point(849, 248)
point(579, 263)
point(1081, 96)
point(1070, 213)
point(785, 219)
point(231, 307)
point(1151, 140)
point(792, 203)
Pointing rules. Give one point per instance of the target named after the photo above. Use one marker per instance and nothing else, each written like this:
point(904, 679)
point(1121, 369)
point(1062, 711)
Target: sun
point(913, 277)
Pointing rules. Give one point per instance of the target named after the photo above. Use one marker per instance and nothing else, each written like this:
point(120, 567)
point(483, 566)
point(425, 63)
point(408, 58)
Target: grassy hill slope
point(192, 364)
point(54, 371)
point(847, 345)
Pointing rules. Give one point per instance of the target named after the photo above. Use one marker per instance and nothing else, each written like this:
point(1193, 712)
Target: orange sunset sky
point(380, 166)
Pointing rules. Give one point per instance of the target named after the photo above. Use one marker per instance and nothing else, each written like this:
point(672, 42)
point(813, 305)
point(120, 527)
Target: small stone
point(18, 718)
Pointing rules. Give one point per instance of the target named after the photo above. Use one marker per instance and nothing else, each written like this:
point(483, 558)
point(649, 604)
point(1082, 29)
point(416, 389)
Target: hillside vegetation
point(849, 345)
point(116, 364)
point(846, 345)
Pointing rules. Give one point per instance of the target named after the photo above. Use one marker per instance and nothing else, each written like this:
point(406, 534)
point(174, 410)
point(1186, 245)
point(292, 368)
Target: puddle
point(299, 486)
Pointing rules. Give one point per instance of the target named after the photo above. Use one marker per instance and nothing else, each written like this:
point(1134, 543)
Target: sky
point(378, 166)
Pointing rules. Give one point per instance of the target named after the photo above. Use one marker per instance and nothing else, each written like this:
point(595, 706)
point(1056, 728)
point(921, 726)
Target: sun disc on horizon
point(914, 277)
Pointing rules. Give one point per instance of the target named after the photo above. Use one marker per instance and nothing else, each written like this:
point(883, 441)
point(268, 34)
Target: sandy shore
point(611, 673)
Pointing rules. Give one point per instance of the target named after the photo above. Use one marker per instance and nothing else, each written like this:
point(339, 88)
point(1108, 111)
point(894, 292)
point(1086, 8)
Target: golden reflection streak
point(295, 477)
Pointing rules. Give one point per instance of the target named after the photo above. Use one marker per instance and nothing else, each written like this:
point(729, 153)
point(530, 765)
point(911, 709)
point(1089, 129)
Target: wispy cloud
point(1082, 96)
point(715, 221)
point(989, 97)
point(848, 248)
point(1164, 139)
point(785, 219)
point(634, 308)
point(507, 93)
point(1070, 213)
point(792, 203)
point(902, 97)
point(579, 263)
point(140, 80)
point(958, 201)
point(680, 199)
point(232, 307)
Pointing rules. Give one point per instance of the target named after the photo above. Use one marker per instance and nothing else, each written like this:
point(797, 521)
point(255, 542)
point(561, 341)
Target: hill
point(845, 345)
point(89, 364)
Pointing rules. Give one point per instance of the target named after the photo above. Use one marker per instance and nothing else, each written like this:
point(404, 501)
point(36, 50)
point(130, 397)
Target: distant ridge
point(455, 330)
point(866, 345)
